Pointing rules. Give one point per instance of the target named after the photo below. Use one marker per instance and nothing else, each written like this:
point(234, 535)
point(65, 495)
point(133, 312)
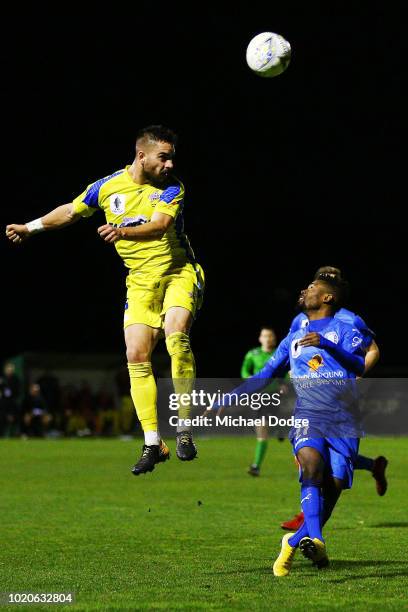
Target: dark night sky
point(282, 175)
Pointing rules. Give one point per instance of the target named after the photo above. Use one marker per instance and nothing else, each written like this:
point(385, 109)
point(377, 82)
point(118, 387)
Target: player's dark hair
point(335, 272)
point(337, 286)
point(157, 133)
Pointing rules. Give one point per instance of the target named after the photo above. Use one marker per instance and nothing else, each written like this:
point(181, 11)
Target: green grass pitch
point(191, 536)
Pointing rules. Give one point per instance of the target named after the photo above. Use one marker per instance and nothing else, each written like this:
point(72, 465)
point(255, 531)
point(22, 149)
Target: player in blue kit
point(324, 358)
point(375, 466)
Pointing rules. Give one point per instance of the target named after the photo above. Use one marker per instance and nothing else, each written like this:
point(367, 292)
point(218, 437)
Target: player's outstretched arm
point(59, 217)
point(272, 368)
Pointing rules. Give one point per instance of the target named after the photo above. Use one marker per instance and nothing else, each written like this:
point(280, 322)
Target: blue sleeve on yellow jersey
point(170, 193)
point(92, 195)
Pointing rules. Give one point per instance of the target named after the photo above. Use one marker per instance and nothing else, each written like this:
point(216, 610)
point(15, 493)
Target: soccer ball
point(268, 54)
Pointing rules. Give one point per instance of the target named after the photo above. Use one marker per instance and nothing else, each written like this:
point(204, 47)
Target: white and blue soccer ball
point(268, 54)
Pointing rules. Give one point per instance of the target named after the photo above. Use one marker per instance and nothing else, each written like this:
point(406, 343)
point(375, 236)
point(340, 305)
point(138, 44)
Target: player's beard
point(157, 180)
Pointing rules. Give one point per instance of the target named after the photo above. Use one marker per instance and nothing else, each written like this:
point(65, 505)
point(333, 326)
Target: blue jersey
point(347, 316)
point(323, 377)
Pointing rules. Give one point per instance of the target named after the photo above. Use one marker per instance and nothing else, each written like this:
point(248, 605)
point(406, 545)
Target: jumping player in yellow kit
point(143, 206)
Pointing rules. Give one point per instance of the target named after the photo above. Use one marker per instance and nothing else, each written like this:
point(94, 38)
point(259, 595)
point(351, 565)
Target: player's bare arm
point(372, 356)
point(154, 230)
point(59, 217)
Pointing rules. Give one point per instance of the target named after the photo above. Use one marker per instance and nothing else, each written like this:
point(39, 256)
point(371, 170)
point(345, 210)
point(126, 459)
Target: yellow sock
point(182, 369)
point(144, 394)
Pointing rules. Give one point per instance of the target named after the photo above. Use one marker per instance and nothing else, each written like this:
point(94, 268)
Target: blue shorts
point(338, 454)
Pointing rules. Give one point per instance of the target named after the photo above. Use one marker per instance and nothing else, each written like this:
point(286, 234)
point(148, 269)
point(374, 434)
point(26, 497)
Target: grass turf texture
point(200, 535)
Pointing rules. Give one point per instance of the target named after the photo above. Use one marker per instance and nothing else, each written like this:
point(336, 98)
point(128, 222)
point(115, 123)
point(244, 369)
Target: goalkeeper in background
point(254, 361)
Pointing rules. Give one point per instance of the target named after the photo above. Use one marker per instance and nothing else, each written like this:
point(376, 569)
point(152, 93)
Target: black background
point(282, 175)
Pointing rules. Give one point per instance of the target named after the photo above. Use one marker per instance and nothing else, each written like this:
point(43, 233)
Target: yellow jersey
point(127, 204)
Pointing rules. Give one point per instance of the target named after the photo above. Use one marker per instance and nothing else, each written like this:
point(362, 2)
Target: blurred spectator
point(127, 415)
point(74, 422)
point(51, 409)
point(51, 392)
point(122, 382)
point(36, 418)
point(86, 407)
point(108, 415)
point(9, 401)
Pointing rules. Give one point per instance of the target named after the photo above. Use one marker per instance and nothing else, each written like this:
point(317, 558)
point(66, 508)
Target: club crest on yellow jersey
point(117, 203)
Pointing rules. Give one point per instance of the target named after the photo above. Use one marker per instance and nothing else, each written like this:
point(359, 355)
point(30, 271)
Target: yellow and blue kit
point(162, 273)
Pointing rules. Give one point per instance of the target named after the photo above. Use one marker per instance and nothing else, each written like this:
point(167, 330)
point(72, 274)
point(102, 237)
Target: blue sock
point(312, 507)
point(322, 513)
point(364, 463)
point(302, 532)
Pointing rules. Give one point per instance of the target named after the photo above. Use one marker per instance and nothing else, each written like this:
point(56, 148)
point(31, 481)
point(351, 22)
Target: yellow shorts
point(148, 299)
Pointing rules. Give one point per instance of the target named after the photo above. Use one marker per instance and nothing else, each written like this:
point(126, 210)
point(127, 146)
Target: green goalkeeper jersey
point(254, 361)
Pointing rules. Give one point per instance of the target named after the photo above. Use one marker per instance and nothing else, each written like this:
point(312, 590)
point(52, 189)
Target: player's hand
point(17, 233)
point(109, 233)
point(311, 339)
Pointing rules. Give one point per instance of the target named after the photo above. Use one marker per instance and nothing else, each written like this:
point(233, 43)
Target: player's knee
point(176, 329)
point(136, 354)
point(312, 464)
point(312, 471)
point(177, 320)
